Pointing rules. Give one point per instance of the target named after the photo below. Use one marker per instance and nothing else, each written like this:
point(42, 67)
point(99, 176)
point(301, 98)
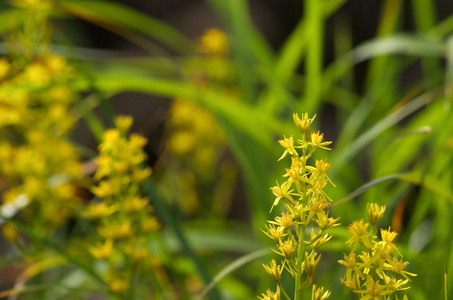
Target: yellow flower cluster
point(123, 216)
point(38, 163)
point(377, 272)
point(305, 203)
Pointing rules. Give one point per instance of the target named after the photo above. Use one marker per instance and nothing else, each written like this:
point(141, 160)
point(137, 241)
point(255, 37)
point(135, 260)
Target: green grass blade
point(233, 266)
point(314, 60)
point(345, 154)
point(167, 217)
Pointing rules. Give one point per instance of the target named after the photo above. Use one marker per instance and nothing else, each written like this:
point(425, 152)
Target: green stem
point(284, 293)
point(301, 237)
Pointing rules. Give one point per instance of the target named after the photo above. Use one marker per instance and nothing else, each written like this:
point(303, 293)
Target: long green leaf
point(123, 16)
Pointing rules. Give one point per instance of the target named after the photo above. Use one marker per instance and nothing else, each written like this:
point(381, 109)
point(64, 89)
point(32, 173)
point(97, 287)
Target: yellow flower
point(135, 204)
point(360, 235)
point(214, 41)
point(304, 124)
point(375, 213)
point(99, 210)
point(275, 233)
point(4, 67)
point(270, 295)
point(285, 221)
point(123, 123)
point(286, 249)
point(316, 141)
point(102, 251)
point(288, 144)
point(282, 192)
point(319, 294)
point(274, 271)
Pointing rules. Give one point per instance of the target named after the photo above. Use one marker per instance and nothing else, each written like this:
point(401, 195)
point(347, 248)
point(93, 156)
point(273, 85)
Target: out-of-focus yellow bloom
point(102, 250)
point(214, 41)
point(123, 123)
point(99, 210)
point(4, 67)
point(10, 232)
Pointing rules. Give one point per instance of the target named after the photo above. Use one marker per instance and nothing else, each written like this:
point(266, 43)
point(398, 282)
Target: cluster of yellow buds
point(305, 204)
point(379, 271)
point(123, 216)
point(37, 163)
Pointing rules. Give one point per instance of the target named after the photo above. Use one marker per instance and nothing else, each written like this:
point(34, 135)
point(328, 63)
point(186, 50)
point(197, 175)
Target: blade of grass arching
point(168, 219)
point(233, 266)
point(404, 44)
point(124, 17)
point(240, 115)
point(344, 155)
point(442, 29)
point(250, 159)
point(314, 17)
point(398, 44)
point(425, 19)
point(427, 181)
point(83, 110)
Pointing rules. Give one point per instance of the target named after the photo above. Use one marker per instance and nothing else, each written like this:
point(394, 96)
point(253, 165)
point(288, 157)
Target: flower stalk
point(304, 206)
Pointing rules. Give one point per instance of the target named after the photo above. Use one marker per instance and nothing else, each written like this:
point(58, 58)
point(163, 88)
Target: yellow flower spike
point(375, 213)
point(274, 271)
point(288, 144)
point(316, 141)
point(275, 233)
point(102, 251)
